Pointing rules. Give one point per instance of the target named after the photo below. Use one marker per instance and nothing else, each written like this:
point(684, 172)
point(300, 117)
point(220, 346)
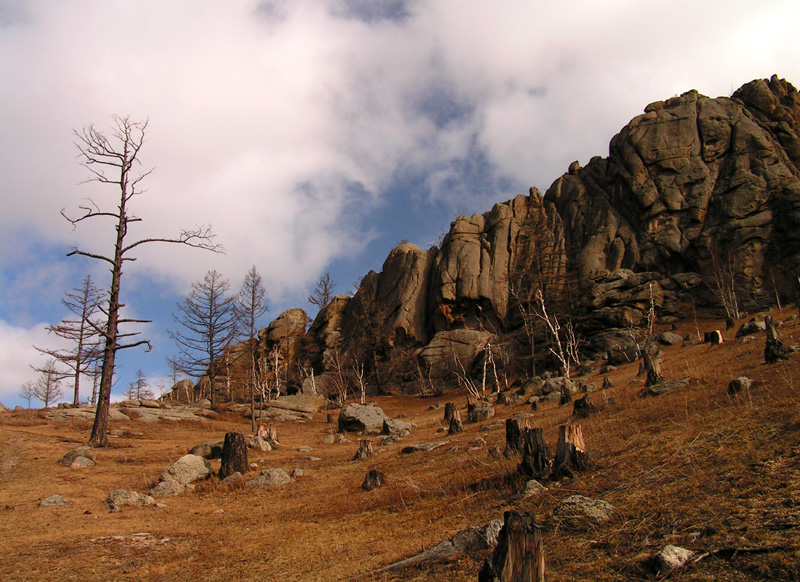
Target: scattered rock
point(671, 557)
point(479, 411)
point(55, 501)
point(423, 447)
point(752, 327)
point(577, 508)
point(270, 478)
point(361, 418)
point(175, 478)
point(82, 456)
point(209, 450)
point(260, 443)
point(297, 472)
point(233, 478)
point(740, 384)
point(583, 407)
point(665, 387)
point(393, 426)
point(122, 497)
point(304, 449)
point(532, 489)
point(669, 338)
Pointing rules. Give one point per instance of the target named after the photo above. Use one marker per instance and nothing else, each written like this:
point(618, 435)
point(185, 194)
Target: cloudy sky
point(314, 135)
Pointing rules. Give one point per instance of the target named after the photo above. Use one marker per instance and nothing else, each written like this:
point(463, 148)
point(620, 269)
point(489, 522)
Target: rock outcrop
point(696, 194)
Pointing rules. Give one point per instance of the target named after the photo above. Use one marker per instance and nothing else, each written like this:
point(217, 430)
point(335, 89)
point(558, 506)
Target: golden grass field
point(695, 468)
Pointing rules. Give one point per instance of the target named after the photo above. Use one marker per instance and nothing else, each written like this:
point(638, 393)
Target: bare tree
point(26, 392)
point(208, 316)
point(83, 331)
point(111, 160)
point(722, 270)
point(47, 388)
point(251, 307)
point(323, 292)
point(554, 329)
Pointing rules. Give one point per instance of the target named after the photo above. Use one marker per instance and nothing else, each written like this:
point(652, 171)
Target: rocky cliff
point(695, 194)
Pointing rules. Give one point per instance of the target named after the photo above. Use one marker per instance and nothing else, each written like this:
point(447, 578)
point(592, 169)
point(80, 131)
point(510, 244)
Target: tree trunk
point(773, 350)
point(365, 451)
point(570, 451)
point(537, 462)
point(234, 455)
point(519, 555)
point(514, 430)
point(456, 426)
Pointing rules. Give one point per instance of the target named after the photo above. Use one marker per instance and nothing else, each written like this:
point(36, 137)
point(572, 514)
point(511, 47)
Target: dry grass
point(695, 468)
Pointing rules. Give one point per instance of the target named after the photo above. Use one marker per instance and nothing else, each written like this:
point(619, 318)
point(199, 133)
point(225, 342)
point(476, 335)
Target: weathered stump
point(606, 383)
point(365, 451)
point(373, 479)
point(234, 455)
point(456, 426)
point(713, 337)
point(653, 370)
point(773, 350)
point(571, 453)
point(534, 405)
point(537, 462)
point(502, 398)
point(583, 407)
point(449, 410)
point(514, 429)
point(519, 555)
point(565, 396)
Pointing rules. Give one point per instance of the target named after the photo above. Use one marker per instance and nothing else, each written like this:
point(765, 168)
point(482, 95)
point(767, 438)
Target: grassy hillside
point(694, 468)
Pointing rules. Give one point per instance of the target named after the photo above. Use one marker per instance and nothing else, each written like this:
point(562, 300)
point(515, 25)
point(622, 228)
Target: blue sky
point(314, 135)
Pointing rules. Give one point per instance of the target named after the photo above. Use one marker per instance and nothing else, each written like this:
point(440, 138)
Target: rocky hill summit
point(696, 205)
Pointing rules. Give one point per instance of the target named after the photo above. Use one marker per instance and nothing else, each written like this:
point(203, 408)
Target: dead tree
point(250, 307)
point(456, 426)
point(84, 302)
point(537, 462)
point(234, 455)
point(773, 350)
point(365, 451)
point(118, 154)
point(519, 555)
point(571, 453)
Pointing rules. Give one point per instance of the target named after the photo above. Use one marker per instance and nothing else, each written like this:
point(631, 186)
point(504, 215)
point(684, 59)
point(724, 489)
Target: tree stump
point(773, 350)
point(365, 451)
point(514, 430)
point(537, 462)
point(456, 426)
point(372, 480)
point(519, 555)
point(653, 370)
point(502, 398)
point(271, 436)
point(234, 455)
point(583, 407)
point(534, 405)
point(565, 396)
point(449, 410)
point(606, 383)
point(570, 451)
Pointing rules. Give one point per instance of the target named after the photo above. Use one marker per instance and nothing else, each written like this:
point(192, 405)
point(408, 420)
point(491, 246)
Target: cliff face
point(691, 188)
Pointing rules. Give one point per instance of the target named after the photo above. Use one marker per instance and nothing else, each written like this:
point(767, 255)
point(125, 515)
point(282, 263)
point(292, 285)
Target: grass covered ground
point(695, 468)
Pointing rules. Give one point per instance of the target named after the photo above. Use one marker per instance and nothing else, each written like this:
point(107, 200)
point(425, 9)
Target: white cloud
point(282, 123)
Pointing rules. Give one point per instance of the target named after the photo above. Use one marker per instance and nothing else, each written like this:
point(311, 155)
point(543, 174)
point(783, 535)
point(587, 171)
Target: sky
point(313, 136)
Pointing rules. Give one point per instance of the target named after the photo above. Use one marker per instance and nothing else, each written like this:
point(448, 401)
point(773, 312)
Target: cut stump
point(519, 555)
point(234, 455)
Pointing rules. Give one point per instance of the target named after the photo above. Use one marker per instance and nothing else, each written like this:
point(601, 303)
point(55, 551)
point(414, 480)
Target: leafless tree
point(251, 307)
point(47, 388)
point(722, 270)
point(27, 392)
point(554, 329)
point(138, 388)
point(111, 160)
point(210, 325)
point(84, 331)
point(323, 292)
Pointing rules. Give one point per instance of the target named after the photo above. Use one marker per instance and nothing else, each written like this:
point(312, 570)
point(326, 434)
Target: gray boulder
point(740, 384)
point(122, 498)
point(394, 426)
point(78, 457)
point(669, 338)
point(671, 557)
point(576, 509)
point(209, 450)
point(55, 501)
point(175, 478)
point(361, 418)
point(270, 478)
